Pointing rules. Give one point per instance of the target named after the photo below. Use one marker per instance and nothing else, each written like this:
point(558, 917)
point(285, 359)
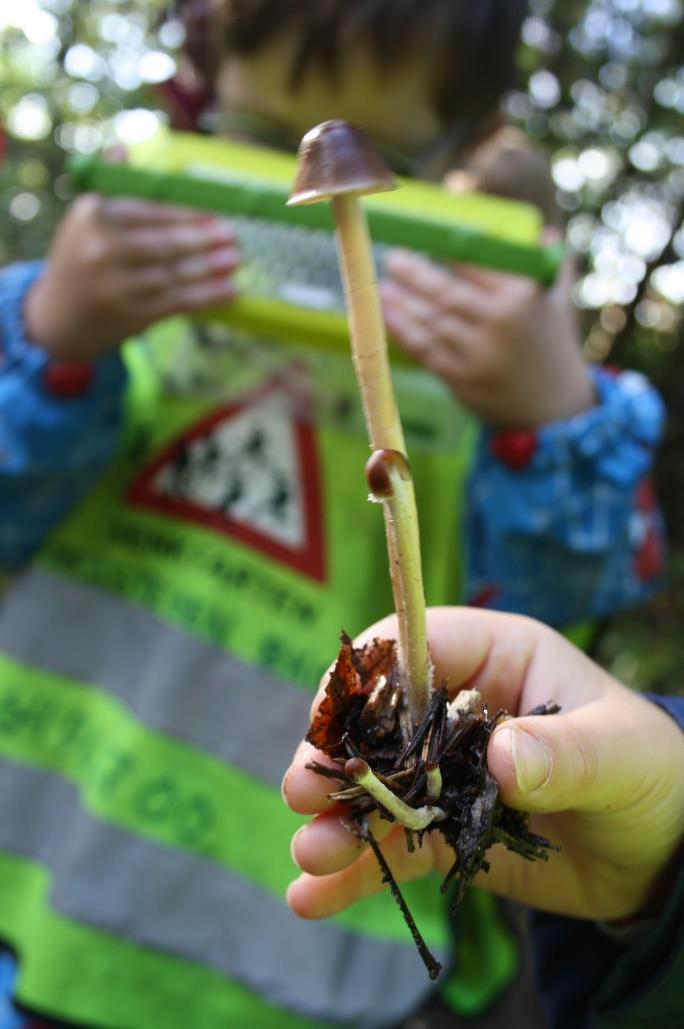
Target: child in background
point(182, 563)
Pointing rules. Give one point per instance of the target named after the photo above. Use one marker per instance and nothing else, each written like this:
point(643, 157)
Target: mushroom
point(337, 164)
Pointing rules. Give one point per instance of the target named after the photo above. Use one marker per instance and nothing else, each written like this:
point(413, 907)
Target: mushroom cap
point(336, 159)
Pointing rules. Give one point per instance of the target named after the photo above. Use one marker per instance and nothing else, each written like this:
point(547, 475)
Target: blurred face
point(395, 109)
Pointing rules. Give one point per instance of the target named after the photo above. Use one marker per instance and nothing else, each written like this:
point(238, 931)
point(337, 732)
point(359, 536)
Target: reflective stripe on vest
point(186, 690)
point(145, 843)
point(150, 839)
point(82, 975)
point(176, 903)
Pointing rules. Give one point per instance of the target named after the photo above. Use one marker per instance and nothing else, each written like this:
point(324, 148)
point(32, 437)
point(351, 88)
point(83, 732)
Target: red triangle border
point(310, 560)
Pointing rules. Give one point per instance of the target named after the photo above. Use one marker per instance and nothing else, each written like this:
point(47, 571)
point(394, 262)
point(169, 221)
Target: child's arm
point(114, 268)
point(59, 423)
point(562, 524)
point(118, 265)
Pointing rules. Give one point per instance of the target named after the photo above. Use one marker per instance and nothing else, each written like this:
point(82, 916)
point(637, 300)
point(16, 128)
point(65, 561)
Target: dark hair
point(473, 41)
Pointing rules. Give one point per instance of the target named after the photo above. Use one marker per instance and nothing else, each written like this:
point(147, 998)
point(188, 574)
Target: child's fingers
point(204, 265)
point(440, 286)
point(157, 278)
point(326, 845)
point(139, 246)
point(418, 273)
point(437, 323)
point(131, 212)
point(422, 330)
point(189, 298)
point(582, 759)
point(483, 279)
point(303, 790)
point(413, 335)
point(407, 302)
point(487, 650)
point(460, 339)
point(447, 346)
point(312, 896)
point(197, 295)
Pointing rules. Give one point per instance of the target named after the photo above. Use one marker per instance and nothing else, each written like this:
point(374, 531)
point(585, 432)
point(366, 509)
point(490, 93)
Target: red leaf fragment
point(356, 674)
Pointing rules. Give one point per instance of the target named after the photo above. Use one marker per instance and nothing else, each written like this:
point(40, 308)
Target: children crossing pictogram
point(249, 470)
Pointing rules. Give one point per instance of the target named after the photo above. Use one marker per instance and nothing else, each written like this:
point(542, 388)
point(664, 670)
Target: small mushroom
point(335, 159)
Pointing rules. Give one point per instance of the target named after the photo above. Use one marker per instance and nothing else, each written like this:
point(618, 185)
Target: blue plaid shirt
point(576, 531)
point(570, 532)
point(51, 449)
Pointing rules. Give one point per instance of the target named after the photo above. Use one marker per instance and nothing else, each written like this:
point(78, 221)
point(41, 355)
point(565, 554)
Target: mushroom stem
point(389, 478)
point(369, 344)
point(434, 782)
point(416, 819)
point(371, 362)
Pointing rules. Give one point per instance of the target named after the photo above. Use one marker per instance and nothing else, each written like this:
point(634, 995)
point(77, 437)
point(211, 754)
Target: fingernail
point(531, 759)
point(221, 232)
point(398, 259)
point(225, 257)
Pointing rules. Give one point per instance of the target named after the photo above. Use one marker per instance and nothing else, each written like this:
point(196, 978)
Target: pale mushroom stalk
point(337, 164)
point(389, 479)
point(412, 818)
point(366, 325)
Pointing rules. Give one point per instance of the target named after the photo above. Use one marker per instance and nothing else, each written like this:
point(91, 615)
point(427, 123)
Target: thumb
point(549, 763)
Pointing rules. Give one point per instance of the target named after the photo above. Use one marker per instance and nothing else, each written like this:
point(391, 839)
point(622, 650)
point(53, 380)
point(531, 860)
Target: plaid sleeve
point(59, 423)
point(562, 523)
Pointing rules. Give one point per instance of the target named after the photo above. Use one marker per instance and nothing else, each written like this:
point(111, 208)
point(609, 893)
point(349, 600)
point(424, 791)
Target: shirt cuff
point(562, 523)
point(47, 404)
point(615, 437)
point(19, 356)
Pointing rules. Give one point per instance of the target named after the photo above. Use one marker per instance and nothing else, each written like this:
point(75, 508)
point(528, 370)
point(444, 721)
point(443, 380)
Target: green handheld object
point(289, 256)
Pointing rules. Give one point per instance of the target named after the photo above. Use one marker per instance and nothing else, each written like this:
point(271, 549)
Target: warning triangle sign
point(249, 470)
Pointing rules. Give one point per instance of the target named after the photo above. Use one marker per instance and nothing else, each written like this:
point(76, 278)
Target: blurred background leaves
point(601, 89)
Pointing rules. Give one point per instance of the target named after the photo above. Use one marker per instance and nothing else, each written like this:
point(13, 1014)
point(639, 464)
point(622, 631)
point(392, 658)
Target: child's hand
point(604, 779)
point(508, 348)
point(118, 265)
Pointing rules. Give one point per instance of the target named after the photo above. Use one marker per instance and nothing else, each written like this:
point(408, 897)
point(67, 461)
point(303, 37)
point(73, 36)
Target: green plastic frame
point(443, 237)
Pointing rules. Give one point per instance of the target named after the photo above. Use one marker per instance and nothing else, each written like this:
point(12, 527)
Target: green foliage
point(605, 95)
point(69, 71)
point(602, 89)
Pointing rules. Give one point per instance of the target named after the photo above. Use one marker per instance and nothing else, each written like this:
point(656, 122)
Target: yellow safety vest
point(158, 662)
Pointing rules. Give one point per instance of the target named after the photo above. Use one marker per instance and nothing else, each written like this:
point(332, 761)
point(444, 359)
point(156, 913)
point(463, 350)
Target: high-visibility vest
point(158, 663)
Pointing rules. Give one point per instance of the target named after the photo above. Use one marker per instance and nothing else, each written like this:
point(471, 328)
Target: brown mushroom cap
point(336, 159)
